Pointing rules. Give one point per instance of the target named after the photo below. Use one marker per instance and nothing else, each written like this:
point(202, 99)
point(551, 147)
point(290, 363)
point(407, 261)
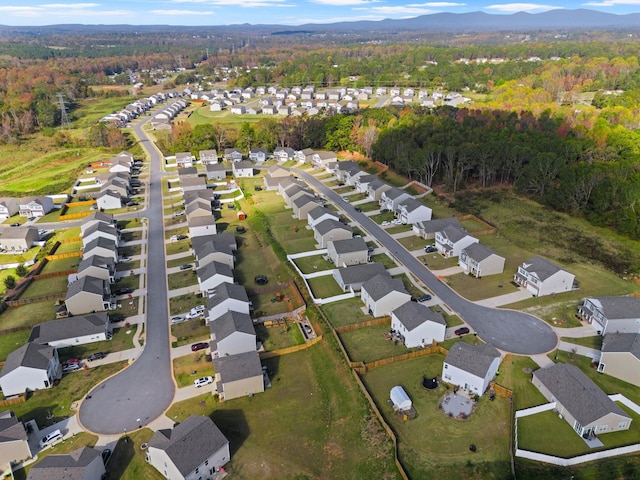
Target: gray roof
point(19, 232)
point(63, 328)
point(101, 242)
point(70, 466)
point(622, 342)
point(190, 442)
point(215, 268)
point(219, 241)
point(348, 166)
point(360, 273)
point(439, 224)
point(31, 355)
point(243, 164)
point(238, 367)
point(326, 226)
point(454, 233)
point(376, 184)
point(198, 205)
point(411, 204)
point(542, 267)
point(278, 171)
point(577, 393)
point(201, 221)
point(216, 167)
point(11, 428)
point(475, 359)
point(366, 178)
point(325, 154)
point(349, 245)
point(192, 181)
point(187, 171)
point(317, 212)
point(412, 315)
point(231, 322)
point(395, 192)
point(381, 285)
point(99, 216)
point(619, 308)
point(87, 284)
point(202, 193)
point(225, 291)
point(302, 200)
point(479, 252)
point(102, 227)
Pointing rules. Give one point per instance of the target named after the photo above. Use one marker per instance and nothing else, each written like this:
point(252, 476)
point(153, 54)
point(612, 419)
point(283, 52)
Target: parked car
point(385, 223)
point(70, 367)
point(50, 438)
point(430, 249)
point(182, 237)
point(31, 219)
point(396, 221)
point(231, 206)
point(357, 209)
point(258, 188)
point(15, 224)
point(198, 309)
point(192, 315)
point(125, 259)
point(123, 291)
point(173, 237)
point(199, 382)
point(106, 455)
point(345, 200)
point(131, 204)
point(199, 346)
point(96, 356)
point(424, 298)
point(178, 319)
point(179, 214)
point(462, 331)
point(370, 249)
point(186, 266)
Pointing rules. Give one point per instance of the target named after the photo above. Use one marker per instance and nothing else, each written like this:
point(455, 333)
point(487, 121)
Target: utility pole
point(64, 118)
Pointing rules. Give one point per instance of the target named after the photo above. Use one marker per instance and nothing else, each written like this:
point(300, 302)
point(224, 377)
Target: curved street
point(145, 389)
point(507, 330)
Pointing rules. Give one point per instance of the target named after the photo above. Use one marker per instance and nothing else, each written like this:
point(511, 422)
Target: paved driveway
point(507, 330)
point(145, 389)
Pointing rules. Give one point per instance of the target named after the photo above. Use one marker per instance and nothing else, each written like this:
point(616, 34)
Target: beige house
point(98, 267)
point(480, 261)
point(586, 408)
point(347, 252)
point(238, 375)
point(9, 206)
point(18, 239)
point(231, 334)
point(14, 445)
point(88, 294)
point(303, 205)
point(208, 157)
point(383, 294)
point(82, 464)
point(330, 231)
point(620, 357)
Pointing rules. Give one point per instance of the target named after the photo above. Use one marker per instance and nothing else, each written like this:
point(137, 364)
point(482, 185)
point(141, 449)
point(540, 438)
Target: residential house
point(480, 261)
point(29, 368)
point(212, 251)
point(347, 252)
point(612, 314)
point(71, 331)
point(258, 154)
point(18, 240)
point(98, 267)
point(376, 188)
point(201, 225)
point(233, 155)
point(87, 295)
point(104, 247)
point(108, 199)
point(216, 171)
point(208, 157)
point(273, 177)
point(620, 357)
point(319, 214)
point(96, 217)
point(330, 230)
point(321, 158)
point(303, 205)
point(184, 159)
point(351, 177)
point(195, 448)
point(296, 191)
point(304, 156)
point(412, 211)
point(583, 405)
point(238, 110)
point(284, 153)
point(101, 230)
point(238, 375)
point(231, 334)
point(192, 183)
point(213, 274)
point(392, 198)
point(205, 194)
point(84, 463)
point(451, 240)
point(9, 206)
point(428, 230)
point(362, 182)
point(187, 172)
point(119, 165)
point(542, 277)
point(341, 169)
point(226, 297)
point(471, 367)
point(383, 294)
point(243, 169)
point(198, 208)
point(35, 206)
point(287, 183)
point(418, 325)
point(351, 278)
point(14, 444)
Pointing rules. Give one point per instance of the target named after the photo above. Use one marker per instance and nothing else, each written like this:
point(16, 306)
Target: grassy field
point(312, 392)
point(346, 312)
point(61, 265)
point(189, 367)
point(189, 332)
point(324, 286)
point(181, 261)
point(515, 374)
point(435, 261)
point(315, 263)
point(46, 286)
point(27, 315)
point(414, 291)
point(368, 344)
point(12, 341)
point(183, 278)
point(369, 206)
point(283, 336)
point(432, 445)
point(178, 246)
point(384, 259)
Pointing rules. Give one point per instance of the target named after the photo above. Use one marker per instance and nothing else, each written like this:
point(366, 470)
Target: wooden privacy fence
point(70, 240)
point(287, 350)
point(75, 215)
point(80, 204)
point(12, 401)
point(431, 349)
point(43, 298)
point(489, 229)
point(368, 323)
point(500, 390)
point(58, 256)
point(55, 274)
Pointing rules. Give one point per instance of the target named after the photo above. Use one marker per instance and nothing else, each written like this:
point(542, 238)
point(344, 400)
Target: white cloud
point(399, 9)
point(180, 12)
point(70, 5)
point(21, 11)
point(437, 4)
point(612, 3)
point(343, 3)
point(522, 7)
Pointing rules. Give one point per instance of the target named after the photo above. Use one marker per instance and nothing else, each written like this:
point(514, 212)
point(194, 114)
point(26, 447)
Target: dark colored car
point(199, 346)
point(106, 455)
point(186, 266)
point(182, 237)
point(96, 356)
point(462, 331)
point(123, 291)
point(16, 224)
point(358, 209)
point(430, 249)
point(424, 298)
point(258, 188)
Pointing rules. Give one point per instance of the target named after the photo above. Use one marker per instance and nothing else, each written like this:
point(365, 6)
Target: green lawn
point(12, 341)
point(184, 303)
point(357, 197)
point(414, 242)
point(168, 233)
point(515, 374)
point(399, 229)
point(368, 344)
point(189, 367)
point(70, 248)
point(589, 342)
point(267, 304)
point(346, 312)
point(474, 288)
point(130, 281)
point(183, 278)
point(178, 246)
point(324, 287)
point(336, 439)
point(128, 458)
point(315, 263)
point(27, 315)
point(282, 226)
point(122, 340)
point(190, 331)
point(435, 261)
point(124, 266)
point(61, 265)
point(30, 254)
point(369, 206)
point(181, 261)
point(384, 259)
point(452, 320)
point(432, 445)
point(276, 337)
point(46, 286)
point(382, 217)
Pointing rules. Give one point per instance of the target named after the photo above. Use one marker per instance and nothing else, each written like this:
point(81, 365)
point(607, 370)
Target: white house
point(452, 239)
point(542, 277)
point(232, 333)
point(480, 261)
point(108, 200)
point(14, 441)
point(35, 206)
point(352, 278)
point(418, 325)
point(392, 198)
point(30, 367)
point(226, 297)
point(9, 206)
point(242, 169)
point(383, 294)
point(101, 230)
point(71, 331)
point(201, 225)
point(319, 214)
point(195, 448)
point(471, 367)
point(412, 211)
point(612, 314)
point(620, 357)
point(213, 274)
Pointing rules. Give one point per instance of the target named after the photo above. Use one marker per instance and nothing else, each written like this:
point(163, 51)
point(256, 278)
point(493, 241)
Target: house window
point(197, 468)
point(622, 425)
point(447, 377)
point(603, 428)
point(446, 366)
point(206, 462)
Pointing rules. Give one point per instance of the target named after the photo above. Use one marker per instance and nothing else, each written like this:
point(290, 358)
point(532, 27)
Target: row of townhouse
point(116, 186)
point(26, 206)
point(137, 108)
point(18, 240)
point(162, 119)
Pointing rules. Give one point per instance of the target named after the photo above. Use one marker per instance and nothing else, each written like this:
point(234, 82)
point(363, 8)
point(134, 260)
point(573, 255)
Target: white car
point(51, 438)
point(385, 223)
point(203, 381)
point(178, 319)
point(197, 309)
point(396, 221)
point(179, 214)
point(346, 200)
point(173, 237)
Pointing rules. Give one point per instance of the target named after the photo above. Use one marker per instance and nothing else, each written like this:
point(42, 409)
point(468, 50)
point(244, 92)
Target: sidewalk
point(506, 299)
point(580, 350)
point(183, 291)
point(576, 332)
point(447, 272)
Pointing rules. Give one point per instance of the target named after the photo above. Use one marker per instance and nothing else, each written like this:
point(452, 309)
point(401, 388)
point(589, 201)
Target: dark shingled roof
point(11, 428)
point(317, 212)
point(618, 308)
point(101, 242)
point(542, 267)
point(412, 315)
point(479, 252)
point(31, 355)
point(70, 466)
point(349, 245)
point(454, 233)
point(225, 291)
point(87, 284)
point(229, 323)
point(475, 359)
point(238, 367)
point(326, 226)
point(190, 442)
point(381, 285)
point(395, 192)
point(411, 204)
point(622, 342)
point(215, 268)
point(577, 393)
point(63, 328)
point(439, 224)
point(360, 273)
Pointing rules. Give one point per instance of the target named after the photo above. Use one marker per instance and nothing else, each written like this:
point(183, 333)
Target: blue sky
point(286, 12)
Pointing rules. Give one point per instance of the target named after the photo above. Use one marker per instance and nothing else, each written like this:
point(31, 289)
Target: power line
point(64, 118)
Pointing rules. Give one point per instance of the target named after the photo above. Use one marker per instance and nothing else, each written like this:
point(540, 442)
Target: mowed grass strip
point(279, 336)
point(181, 279)
point(12, 341)
point(27, 315)
point(515, 374)
point(183, 303)
point(369, 343)
point(314, 263)
point(346, 312)
point(189, 332)
point(189, 367)
point(384, 259)
point(46, 286)
point(324, 286)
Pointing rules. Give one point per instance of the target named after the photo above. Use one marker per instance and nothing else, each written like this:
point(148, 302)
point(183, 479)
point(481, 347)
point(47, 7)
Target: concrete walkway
point(576, 332)
point(184, 290)
point(580, 350)
point(542, 360)
point(447, 272)
point(506, 299)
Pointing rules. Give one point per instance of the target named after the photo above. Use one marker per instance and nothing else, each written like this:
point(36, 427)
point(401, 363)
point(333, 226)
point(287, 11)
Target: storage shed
point(242, 216)
point(400, 399)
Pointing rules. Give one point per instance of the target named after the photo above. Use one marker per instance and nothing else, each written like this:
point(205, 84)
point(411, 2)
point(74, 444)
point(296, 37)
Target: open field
point(368, 344)
point(346, 312)
point(189, 367)
point(324, 286)
point(276, 337)
point(12, 341)
point(27, 315)
point(189, 332)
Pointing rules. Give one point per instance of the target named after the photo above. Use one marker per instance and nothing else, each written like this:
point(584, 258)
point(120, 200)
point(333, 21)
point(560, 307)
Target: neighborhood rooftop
point(475, 359)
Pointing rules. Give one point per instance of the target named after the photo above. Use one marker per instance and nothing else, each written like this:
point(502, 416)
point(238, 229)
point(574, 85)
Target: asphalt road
point(145, 389)
point(507, 330)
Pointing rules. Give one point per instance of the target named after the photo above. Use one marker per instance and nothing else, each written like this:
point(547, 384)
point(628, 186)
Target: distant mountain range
point(447, 22)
